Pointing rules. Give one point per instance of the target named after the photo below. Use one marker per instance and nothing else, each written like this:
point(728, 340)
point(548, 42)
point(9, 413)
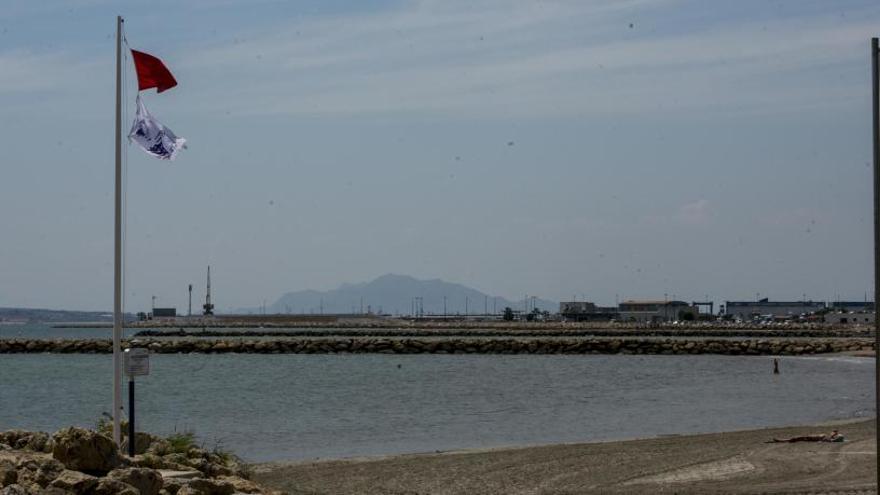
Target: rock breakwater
point(732, 346)
point(519, 332)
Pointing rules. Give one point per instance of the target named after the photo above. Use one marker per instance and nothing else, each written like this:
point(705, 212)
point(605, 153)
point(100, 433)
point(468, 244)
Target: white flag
point(152, 136)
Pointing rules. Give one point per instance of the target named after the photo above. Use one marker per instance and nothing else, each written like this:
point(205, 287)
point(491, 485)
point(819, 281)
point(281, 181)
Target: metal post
point(875, 90)
point(117, 251)
point(131, 435)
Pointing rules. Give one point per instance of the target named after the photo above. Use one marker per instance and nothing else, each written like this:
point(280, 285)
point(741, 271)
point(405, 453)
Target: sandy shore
point(733, 462)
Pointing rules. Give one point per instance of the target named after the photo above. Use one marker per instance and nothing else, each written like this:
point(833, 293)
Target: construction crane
point(208, 307)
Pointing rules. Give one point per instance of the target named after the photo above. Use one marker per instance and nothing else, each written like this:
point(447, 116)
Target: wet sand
point(732, 462)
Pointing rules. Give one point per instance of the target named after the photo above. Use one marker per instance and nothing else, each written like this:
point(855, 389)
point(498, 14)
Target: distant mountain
point(396, 294)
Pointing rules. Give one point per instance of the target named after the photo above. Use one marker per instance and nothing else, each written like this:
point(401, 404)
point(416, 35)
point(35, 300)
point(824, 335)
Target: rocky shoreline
point(77, 461)
point(732, 346)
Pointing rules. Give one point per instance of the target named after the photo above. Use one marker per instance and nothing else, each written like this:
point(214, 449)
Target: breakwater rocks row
point(515, 332)
point(455, 346)
point(428, 323)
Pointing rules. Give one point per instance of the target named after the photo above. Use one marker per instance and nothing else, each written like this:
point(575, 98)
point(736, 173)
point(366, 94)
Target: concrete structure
point(164, 312)
point(586, 311)
point(844, 318)
point(764, 308)
point(655, 311)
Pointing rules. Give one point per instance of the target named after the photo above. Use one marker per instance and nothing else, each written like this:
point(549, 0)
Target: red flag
point(151, 72)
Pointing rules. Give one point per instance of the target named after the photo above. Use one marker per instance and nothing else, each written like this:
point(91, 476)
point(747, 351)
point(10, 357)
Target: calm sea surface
point(275, 407)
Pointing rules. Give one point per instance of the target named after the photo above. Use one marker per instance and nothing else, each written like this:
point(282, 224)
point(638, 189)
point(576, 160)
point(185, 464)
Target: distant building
point(164, 312)
point(656, 311)
point(854, 306)
point(748, 310)
point(844, 318)
point(586, 311)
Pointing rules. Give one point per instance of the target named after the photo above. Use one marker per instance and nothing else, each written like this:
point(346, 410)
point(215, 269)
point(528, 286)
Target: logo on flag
point(152, 136)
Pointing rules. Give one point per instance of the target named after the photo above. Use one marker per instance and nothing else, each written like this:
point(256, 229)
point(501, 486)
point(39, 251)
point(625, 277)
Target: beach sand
point(732, 462)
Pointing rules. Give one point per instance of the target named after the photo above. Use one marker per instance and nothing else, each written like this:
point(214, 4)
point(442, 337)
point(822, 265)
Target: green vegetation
point(104, 426)
point(508, 314)
point(181, 442)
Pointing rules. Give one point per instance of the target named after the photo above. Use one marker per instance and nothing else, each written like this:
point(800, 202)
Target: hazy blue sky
point(620, 148)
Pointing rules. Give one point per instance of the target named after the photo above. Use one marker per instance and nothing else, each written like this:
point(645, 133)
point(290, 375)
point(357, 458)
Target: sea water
point(296, 407)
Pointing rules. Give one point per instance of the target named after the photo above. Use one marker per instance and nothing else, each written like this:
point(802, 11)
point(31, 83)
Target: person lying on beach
point(834, 436)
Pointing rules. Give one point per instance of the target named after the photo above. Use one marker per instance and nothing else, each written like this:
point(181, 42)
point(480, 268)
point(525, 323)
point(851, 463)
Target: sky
point(598, 150)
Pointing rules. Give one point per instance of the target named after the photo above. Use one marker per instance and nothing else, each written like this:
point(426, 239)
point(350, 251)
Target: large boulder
point(25, 440)
point(14, 489)
point(172, 485)
point(146, 481)
point(8, 473)
point(83, 450)
point(242, 485)
point(107, 486)
point(202, 486)
point(38, 471)
point(142, 442)
point(75, 481)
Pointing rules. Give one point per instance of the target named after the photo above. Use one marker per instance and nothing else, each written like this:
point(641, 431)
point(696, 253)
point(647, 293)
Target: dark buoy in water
point(398, 366)
point(775, 366)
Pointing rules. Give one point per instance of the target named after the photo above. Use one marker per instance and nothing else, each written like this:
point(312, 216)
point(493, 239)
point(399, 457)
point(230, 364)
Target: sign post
point(137, 362)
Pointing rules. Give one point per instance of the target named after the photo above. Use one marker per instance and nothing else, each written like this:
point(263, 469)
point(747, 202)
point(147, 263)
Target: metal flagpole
point(875, 90)
point(117, 249)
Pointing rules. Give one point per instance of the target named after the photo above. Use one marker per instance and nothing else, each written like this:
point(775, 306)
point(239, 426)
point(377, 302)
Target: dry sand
point(734, 462)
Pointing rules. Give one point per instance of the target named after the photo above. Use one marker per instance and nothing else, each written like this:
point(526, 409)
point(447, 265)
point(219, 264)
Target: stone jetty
point(370, 345)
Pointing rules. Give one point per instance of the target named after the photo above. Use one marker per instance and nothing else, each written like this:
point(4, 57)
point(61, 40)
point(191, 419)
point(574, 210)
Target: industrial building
point(586, 311)
point(764, 308)
point(164, 312)
point(656, 311)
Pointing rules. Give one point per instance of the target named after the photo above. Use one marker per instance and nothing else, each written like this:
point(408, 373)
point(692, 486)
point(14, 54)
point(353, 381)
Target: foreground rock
point(85, 450)
point(86, 462)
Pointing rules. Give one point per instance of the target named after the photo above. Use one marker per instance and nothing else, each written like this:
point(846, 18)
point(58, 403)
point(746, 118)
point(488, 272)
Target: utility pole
point(189, 311)
point(444, 307)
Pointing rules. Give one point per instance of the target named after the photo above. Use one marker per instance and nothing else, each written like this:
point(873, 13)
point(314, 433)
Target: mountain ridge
point(397, 295)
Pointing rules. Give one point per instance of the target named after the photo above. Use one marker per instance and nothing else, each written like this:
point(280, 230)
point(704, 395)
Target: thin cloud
point(453, 58)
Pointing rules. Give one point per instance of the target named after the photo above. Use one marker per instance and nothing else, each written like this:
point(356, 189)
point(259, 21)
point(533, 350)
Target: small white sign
point(137, 361)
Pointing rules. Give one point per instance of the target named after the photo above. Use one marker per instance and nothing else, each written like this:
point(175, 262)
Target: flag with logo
point(153, 137)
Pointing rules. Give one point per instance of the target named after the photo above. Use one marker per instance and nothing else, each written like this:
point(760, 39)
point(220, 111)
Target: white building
point(859, 318)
